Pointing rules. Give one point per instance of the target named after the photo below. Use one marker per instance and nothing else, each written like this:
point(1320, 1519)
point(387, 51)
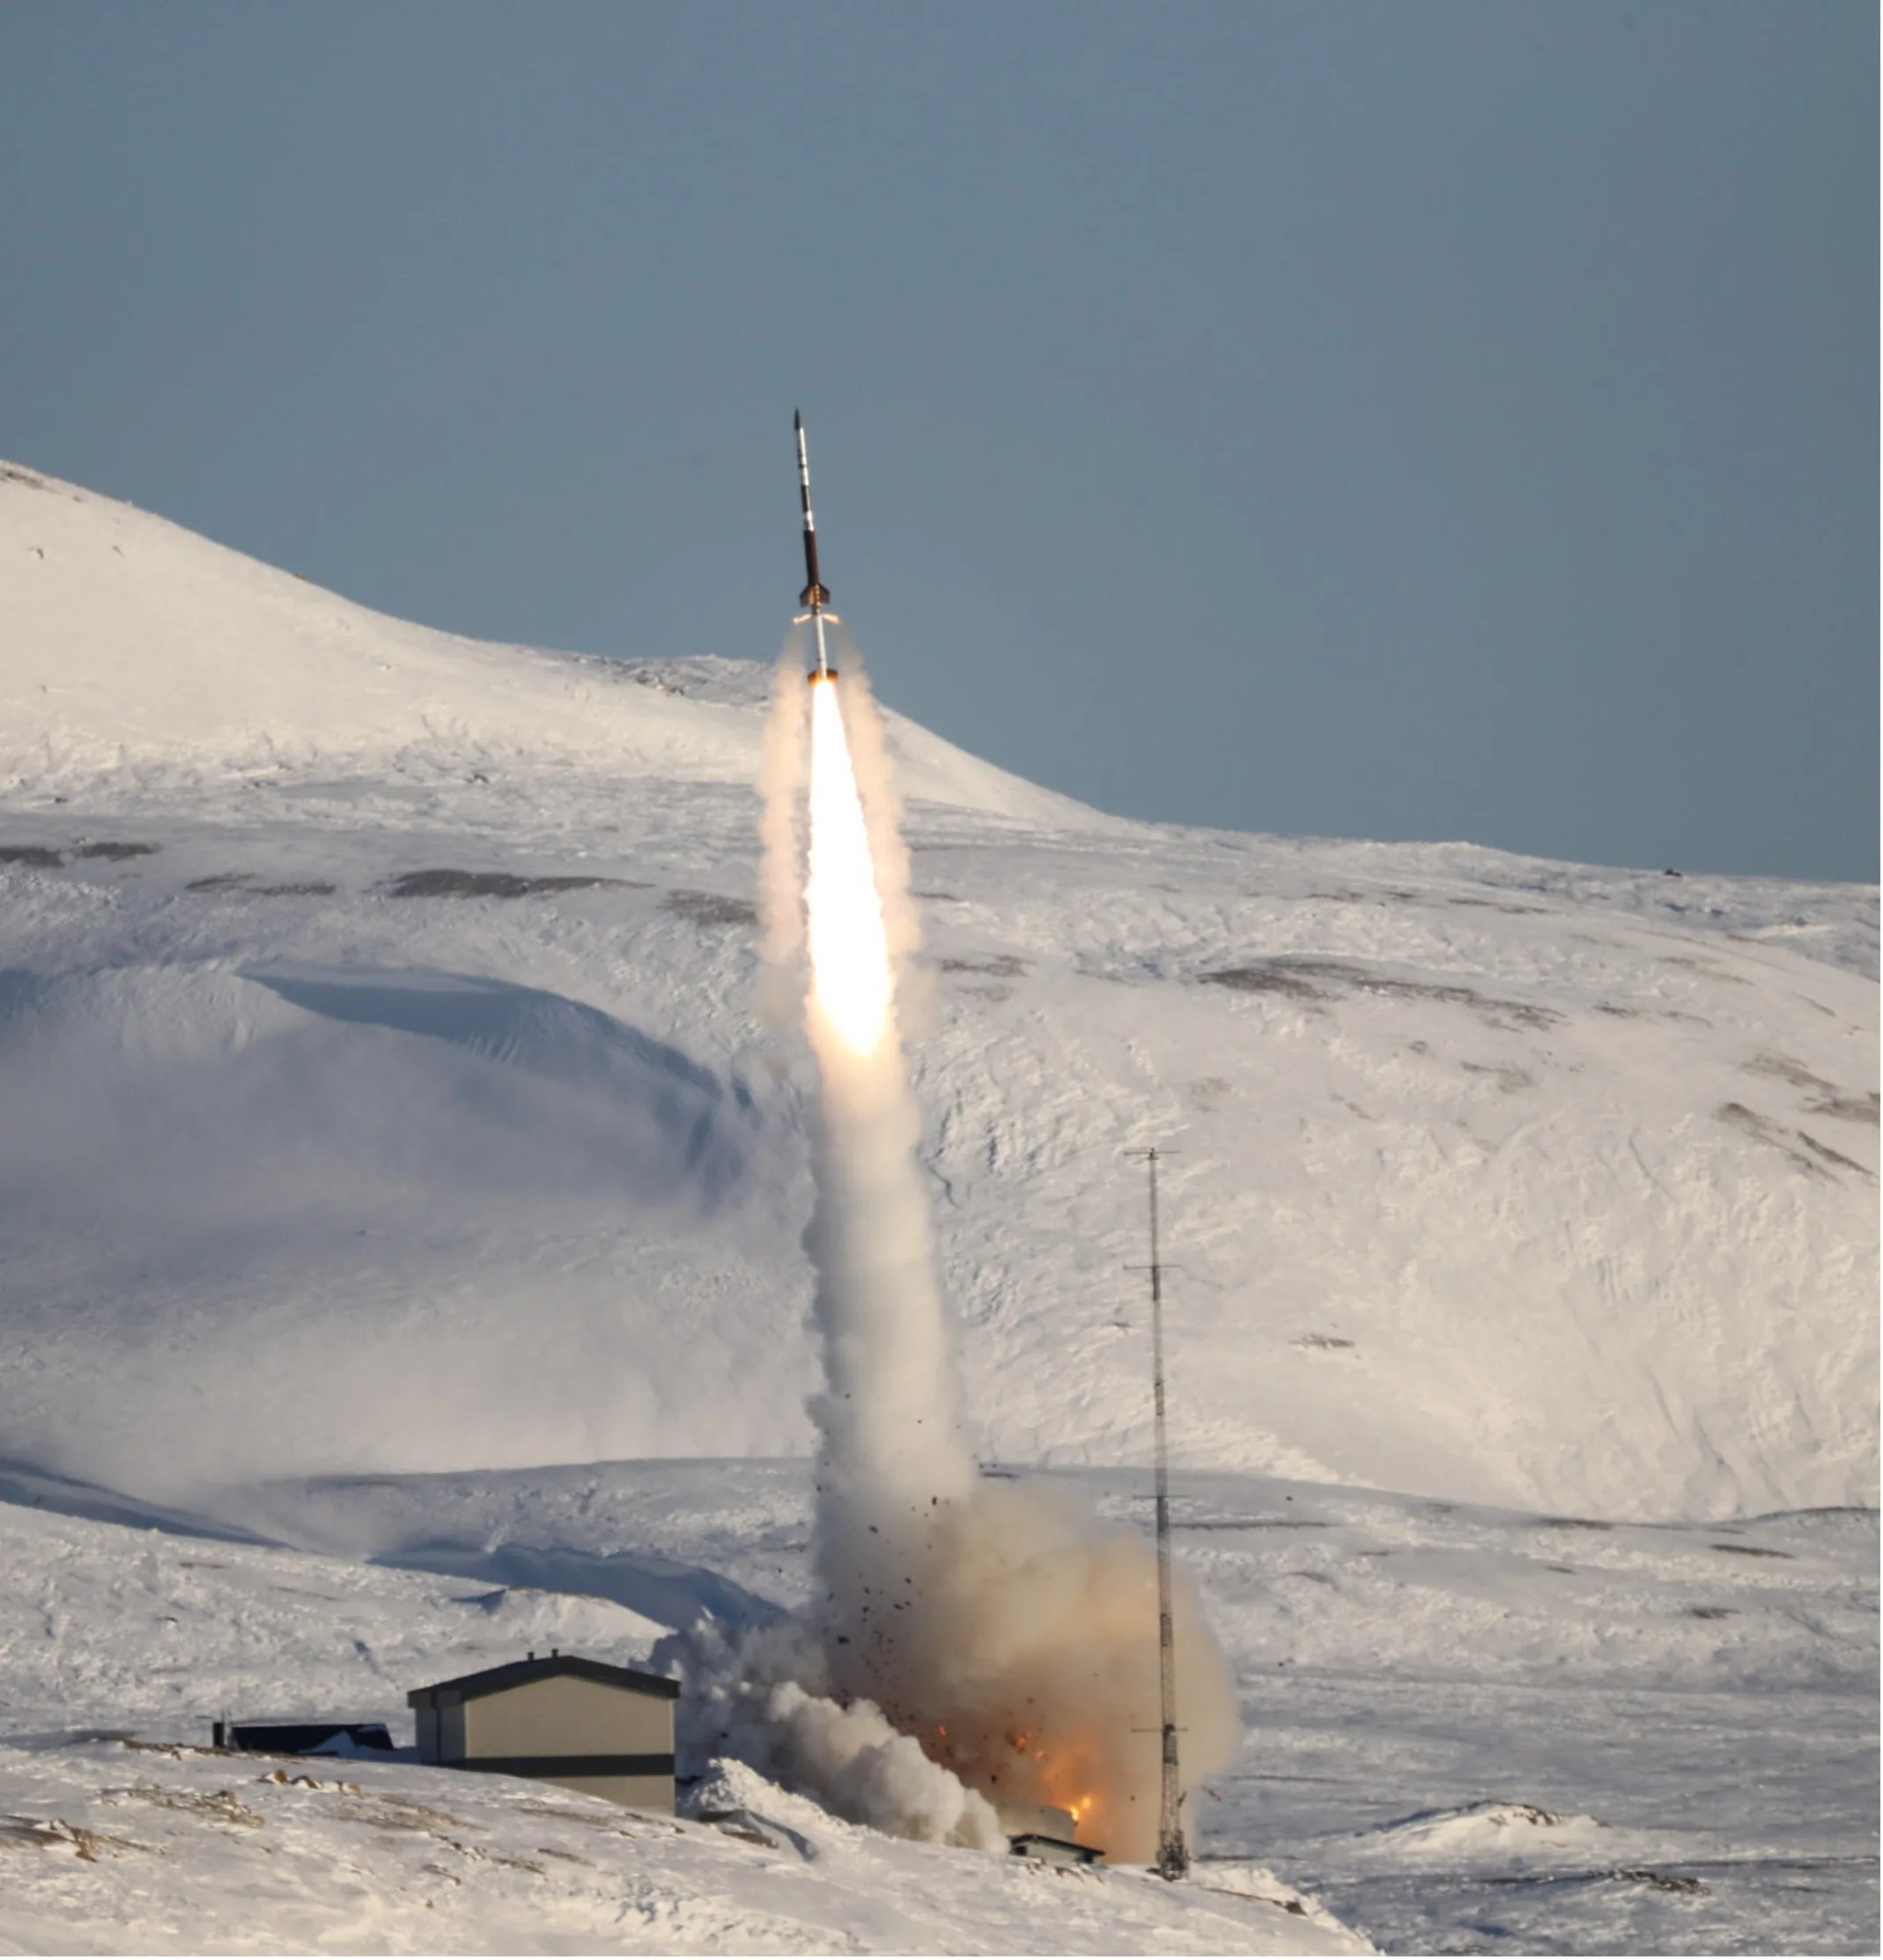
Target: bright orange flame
point(850, 968)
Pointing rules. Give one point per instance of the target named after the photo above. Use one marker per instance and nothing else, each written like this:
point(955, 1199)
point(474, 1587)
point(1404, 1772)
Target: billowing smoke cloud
point(978, 1645)
point(765, 1698)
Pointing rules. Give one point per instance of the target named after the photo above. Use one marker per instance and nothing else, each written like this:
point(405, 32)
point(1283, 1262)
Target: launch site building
point(607, 1731)
point(1045, 1832)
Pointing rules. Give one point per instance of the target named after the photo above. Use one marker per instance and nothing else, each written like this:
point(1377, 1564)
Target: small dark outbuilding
point(303, 1738)
point(607, 1731)
point(1053, 1850)
point(1046, 1832)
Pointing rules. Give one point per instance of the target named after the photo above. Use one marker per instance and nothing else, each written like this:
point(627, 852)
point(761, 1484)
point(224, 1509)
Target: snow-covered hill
point(139, 1838)
point(138, 651)
point(383, 1114)
point(1469, 1730)
point(383, 1091)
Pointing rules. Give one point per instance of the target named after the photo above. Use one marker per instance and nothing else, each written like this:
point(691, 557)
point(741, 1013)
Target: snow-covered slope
point(1467, 1730)
point(141, 1839)
point(137, 648)
point(382, 1091)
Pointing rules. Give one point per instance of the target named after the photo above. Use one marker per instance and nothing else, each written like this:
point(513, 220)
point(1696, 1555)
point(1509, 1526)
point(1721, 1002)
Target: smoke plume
point(979, 1645)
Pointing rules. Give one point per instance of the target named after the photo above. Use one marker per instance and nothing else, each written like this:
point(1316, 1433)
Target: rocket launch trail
point(977, 1644)
point(815, 595)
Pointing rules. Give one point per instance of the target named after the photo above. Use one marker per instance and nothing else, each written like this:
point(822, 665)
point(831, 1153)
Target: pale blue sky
point(1392, 420)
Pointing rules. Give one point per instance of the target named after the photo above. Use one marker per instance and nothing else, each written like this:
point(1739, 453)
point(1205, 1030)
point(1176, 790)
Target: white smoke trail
point(780, 1000)
point(997, 1630)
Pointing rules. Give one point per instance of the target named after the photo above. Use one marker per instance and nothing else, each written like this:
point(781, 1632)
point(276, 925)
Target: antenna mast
point(1173, 1857)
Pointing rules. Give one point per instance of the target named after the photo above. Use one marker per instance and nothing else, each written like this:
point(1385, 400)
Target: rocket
point(814, 594)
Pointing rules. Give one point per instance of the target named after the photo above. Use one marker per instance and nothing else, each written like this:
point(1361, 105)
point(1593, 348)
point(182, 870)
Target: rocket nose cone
point(797, 421)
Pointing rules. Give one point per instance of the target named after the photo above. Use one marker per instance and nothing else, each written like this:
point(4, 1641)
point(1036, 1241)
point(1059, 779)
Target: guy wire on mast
point(1173, 1856)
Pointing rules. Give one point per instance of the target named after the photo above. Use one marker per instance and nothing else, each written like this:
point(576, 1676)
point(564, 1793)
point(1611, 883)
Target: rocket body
point(815, 595)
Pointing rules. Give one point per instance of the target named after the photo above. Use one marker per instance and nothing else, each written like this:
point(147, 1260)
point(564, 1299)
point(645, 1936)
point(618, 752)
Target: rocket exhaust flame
point(849, 947)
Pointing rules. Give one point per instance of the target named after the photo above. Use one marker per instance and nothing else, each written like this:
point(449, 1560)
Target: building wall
point(639, 1792)
point(566, 1716)
point(441, 1734)
point(536, 1728)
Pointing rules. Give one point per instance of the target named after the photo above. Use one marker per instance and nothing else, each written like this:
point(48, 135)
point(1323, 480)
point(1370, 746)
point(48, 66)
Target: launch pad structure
point(1173, 1854)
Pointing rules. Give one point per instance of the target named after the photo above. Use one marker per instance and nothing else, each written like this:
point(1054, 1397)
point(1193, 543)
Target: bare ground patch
point(54, 1834)
point(1705, 968)
point(1846, 1107)
point(221, 1806)
point(243, 881)
point(1843, 1106)
point(446, 884)
point(399, 1813)
point(1269, 977)
point(711, 908)
point(1320, 980)
point(1511, 1080)
point(998, 966)
point(1825, 1152)
point(1817, 1163)
point(1784, 1069)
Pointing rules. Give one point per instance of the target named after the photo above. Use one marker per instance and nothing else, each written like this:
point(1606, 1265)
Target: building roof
point(1040, 1844)
point(514, 1674)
